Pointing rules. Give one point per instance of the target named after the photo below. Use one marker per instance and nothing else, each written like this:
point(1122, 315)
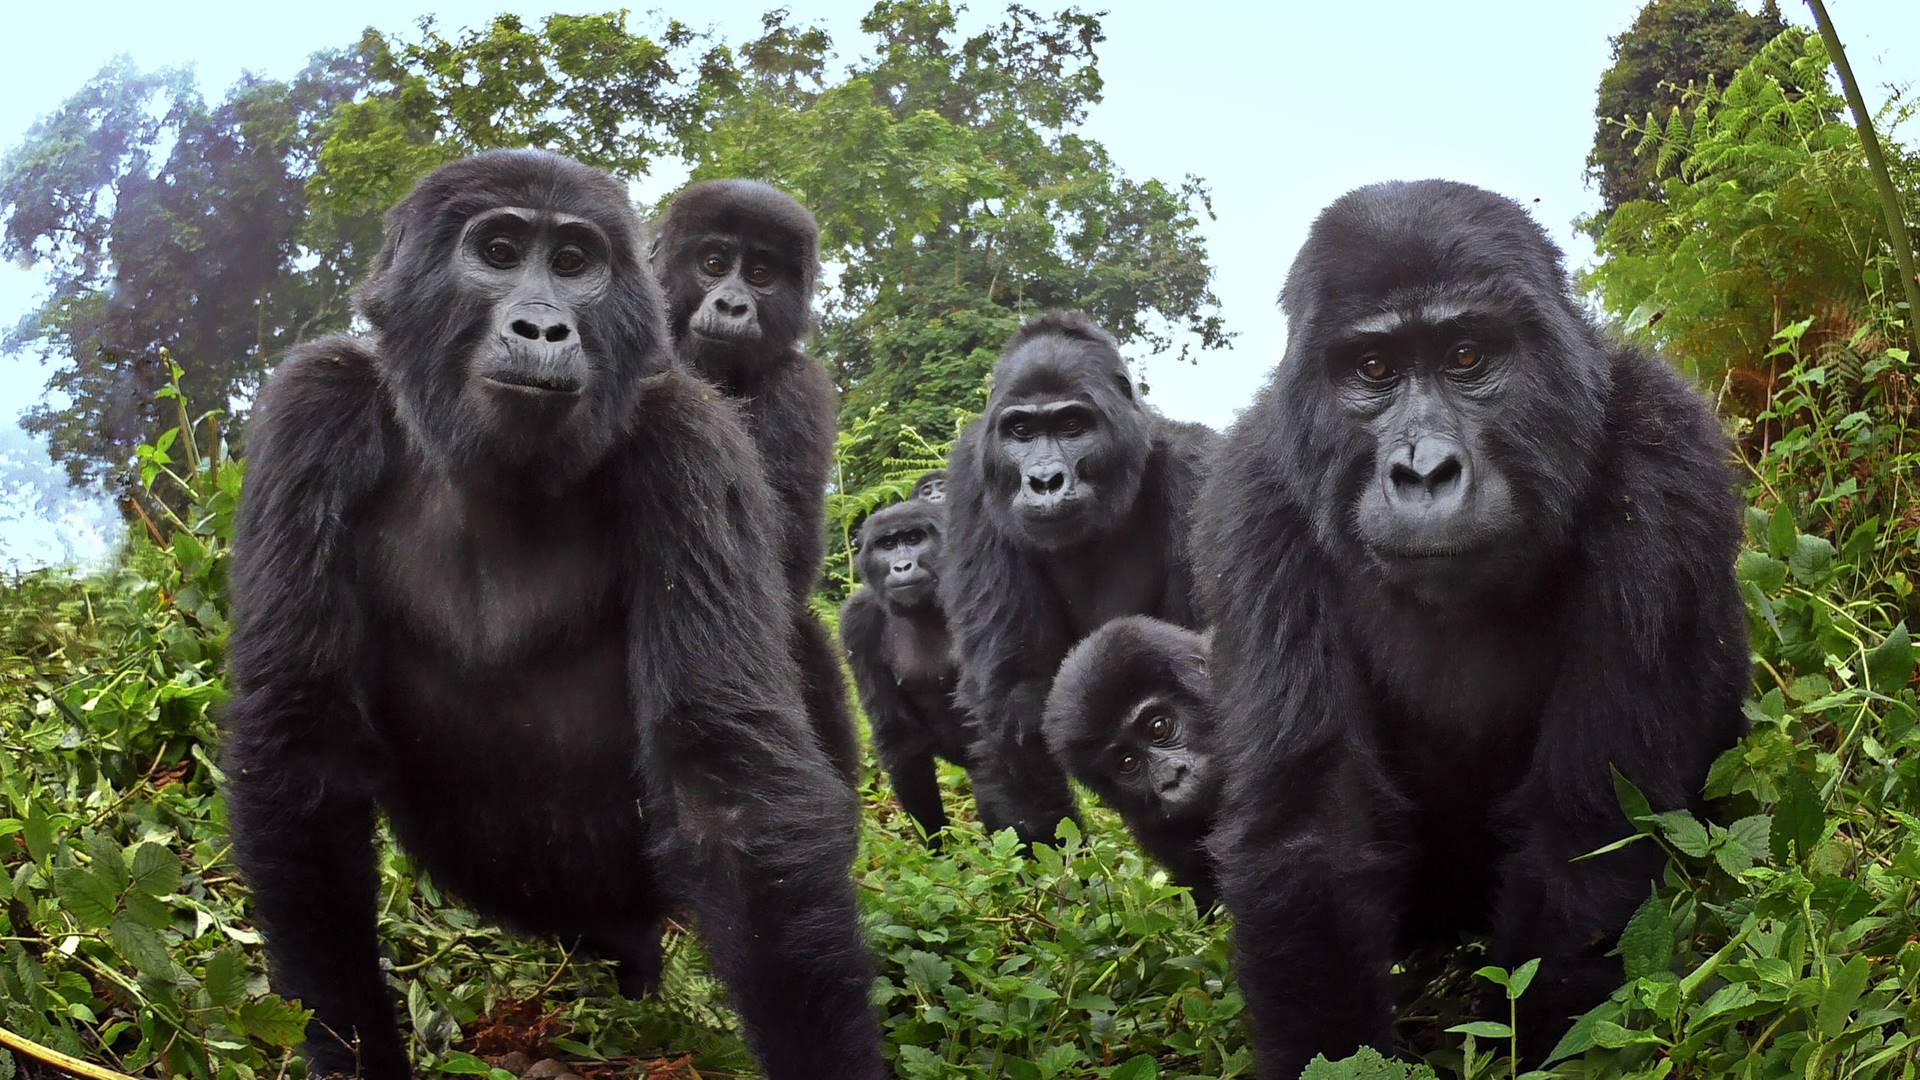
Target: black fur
point(790, 403)
point(901, 652)
point(1027, 581)
point(1130, 715)
point(534, 636)
point(1429, 651)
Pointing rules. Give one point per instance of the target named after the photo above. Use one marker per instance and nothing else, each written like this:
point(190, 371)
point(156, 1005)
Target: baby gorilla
point(902, 656)
point(1129, 716)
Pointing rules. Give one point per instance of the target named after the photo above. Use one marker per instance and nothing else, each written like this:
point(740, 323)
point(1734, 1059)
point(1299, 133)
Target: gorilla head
point(515, 323)
point(1128, 714)
point(1065, 442)
point(740, 259)
point(1435, 319)
point(931, 487)
point(900, 555)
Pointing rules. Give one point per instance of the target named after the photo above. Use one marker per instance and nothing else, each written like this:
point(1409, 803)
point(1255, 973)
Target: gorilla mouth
point(535, 382)
point(745, 335)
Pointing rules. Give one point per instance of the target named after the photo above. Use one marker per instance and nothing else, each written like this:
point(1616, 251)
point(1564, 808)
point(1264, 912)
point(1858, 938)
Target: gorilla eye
point(569, 261)
point(1466, 357)
point(1021, 430)
point(500, 253)
point(1129, 762)
point(915, 537)
point(1161, 728)
point(1374, 368)
point(715, 264)
point(759, 275)
point(1072, 426)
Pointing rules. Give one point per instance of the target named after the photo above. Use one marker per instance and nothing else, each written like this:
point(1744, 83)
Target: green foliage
point(1671, 46)
point(1768, 212)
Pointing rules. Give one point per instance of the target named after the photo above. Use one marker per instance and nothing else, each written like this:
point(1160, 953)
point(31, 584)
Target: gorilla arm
point(1655, 658)
point(751, 823)
point(907, 759)
point(1297, 846)
point(302, 817)
point(793, 414)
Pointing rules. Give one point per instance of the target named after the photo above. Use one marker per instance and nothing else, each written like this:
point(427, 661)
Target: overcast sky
point(1280, 107)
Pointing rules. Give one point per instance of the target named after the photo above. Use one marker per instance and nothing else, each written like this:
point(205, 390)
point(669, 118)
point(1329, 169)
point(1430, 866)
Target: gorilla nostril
point(557, 332)
point(525, 329)
point(1047, 485)
point(1444, 476)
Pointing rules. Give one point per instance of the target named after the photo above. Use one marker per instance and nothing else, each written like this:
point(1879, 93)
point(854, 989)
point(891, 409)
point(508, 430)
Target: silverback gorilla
point(739, 260)
point(1130, 716)
point(501, 572)
point(902, 656)
point(1067, 506)
point(1464, 555)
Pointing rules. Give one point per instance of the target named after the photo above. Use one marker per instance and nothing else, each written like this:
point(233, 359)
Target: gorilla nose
point(1433, 471)
point(901, 569)
point(732, 307)
point(540, 331)
point(1048, 482)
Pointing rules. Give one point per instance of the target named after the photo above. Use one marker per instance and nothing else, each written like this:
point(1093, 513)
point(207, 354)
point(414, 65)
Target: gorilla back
point(1465, 556)
point(500, 572)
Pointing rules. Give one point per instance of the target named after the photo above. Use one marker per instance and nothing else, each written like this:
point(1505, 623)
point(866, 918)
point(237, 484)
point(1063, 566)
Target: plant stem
point(1877, 164)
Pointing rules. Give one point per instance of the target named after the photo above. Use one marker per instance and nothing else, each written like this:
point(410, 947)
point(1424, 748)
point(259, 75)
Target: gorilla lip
point(536, 384)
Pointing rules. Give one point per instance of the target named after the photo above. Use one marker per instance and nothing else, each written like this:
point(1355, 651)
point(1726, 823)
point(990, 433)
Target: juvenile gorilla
point(1067, 506)
point(932, 487)
point(1130, 717)
point(739, 260)
point(500, 572)
point(902, 656)
point(1465, 555)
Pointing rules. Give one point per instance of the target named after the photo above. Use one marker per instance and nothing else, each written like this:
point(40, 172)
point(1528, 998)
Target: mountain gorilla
point(501, 572)
point(1067, 506)
point(932, 487)
point(739, 260)
point(902, 656)
point(1465, 556)
point(1130, 716)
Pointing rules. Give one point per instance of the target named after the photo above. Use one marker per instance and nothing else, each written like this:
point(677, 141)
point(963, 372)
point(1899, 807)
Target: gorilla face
point(514, 315)
point(1462, 394)
point(932, 487)
point(1154, 762)
point(738, 259)
point(1066, 443)
point(900, 555)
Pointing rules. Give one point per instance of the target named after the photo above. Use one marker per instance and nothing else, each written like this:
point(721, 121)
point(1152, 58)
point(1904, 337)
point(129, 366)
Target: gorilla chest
point(1096, 586)
point(920, 655)
point(1458, 683)
point(487, 582)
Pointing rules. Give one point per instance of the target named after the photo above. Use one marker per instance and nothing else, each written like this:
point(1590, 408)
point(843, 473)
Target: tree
point(162, 221)
point(1672, 44)
point(955, 197)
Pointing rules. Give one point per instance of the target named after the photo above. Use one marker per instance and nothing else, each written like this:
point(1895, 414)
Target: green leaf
point(1632, 801)
point(274, 1021)
point(225, 978)
point(103, 851)
point(1845, 983)
point(1646, 945)
point(1138, 1067)
point(1612, 1036)
point(86, 896)
point(1523, 978)
point(927, 971)
point(1684, 832)
point(142, 947)
point(1797, 821)
point(1782, 536)
point(460, 1063)
point(1761, 570)
point(156, 871)
point(1579, 1037)
point(1495, 975)
point(39, 834)
point(1890, 664)
point(1485, 1029)
point(1812, 560)
point(1726, 999)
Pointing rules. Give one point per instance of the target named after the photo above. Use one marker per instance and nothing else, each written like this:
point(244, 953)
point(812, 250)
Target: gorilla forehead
point(1058, 353)
point(536, 179)
point(1405, 241)
point(1118, 665)
point(904, 515)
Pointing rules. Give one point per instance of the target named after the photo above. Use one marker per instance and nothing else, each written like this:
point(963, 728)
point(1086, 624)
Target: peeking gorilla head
point(1064, 441)
point(900, 555)
point(932, 487)
point(514, 317)
point(1467, 396)
point(739, 259)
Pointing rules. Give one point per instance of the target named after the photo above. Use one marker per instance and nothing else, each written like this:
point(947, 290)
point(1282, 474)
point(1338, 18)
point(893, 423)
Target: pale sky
point(1281, 107)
